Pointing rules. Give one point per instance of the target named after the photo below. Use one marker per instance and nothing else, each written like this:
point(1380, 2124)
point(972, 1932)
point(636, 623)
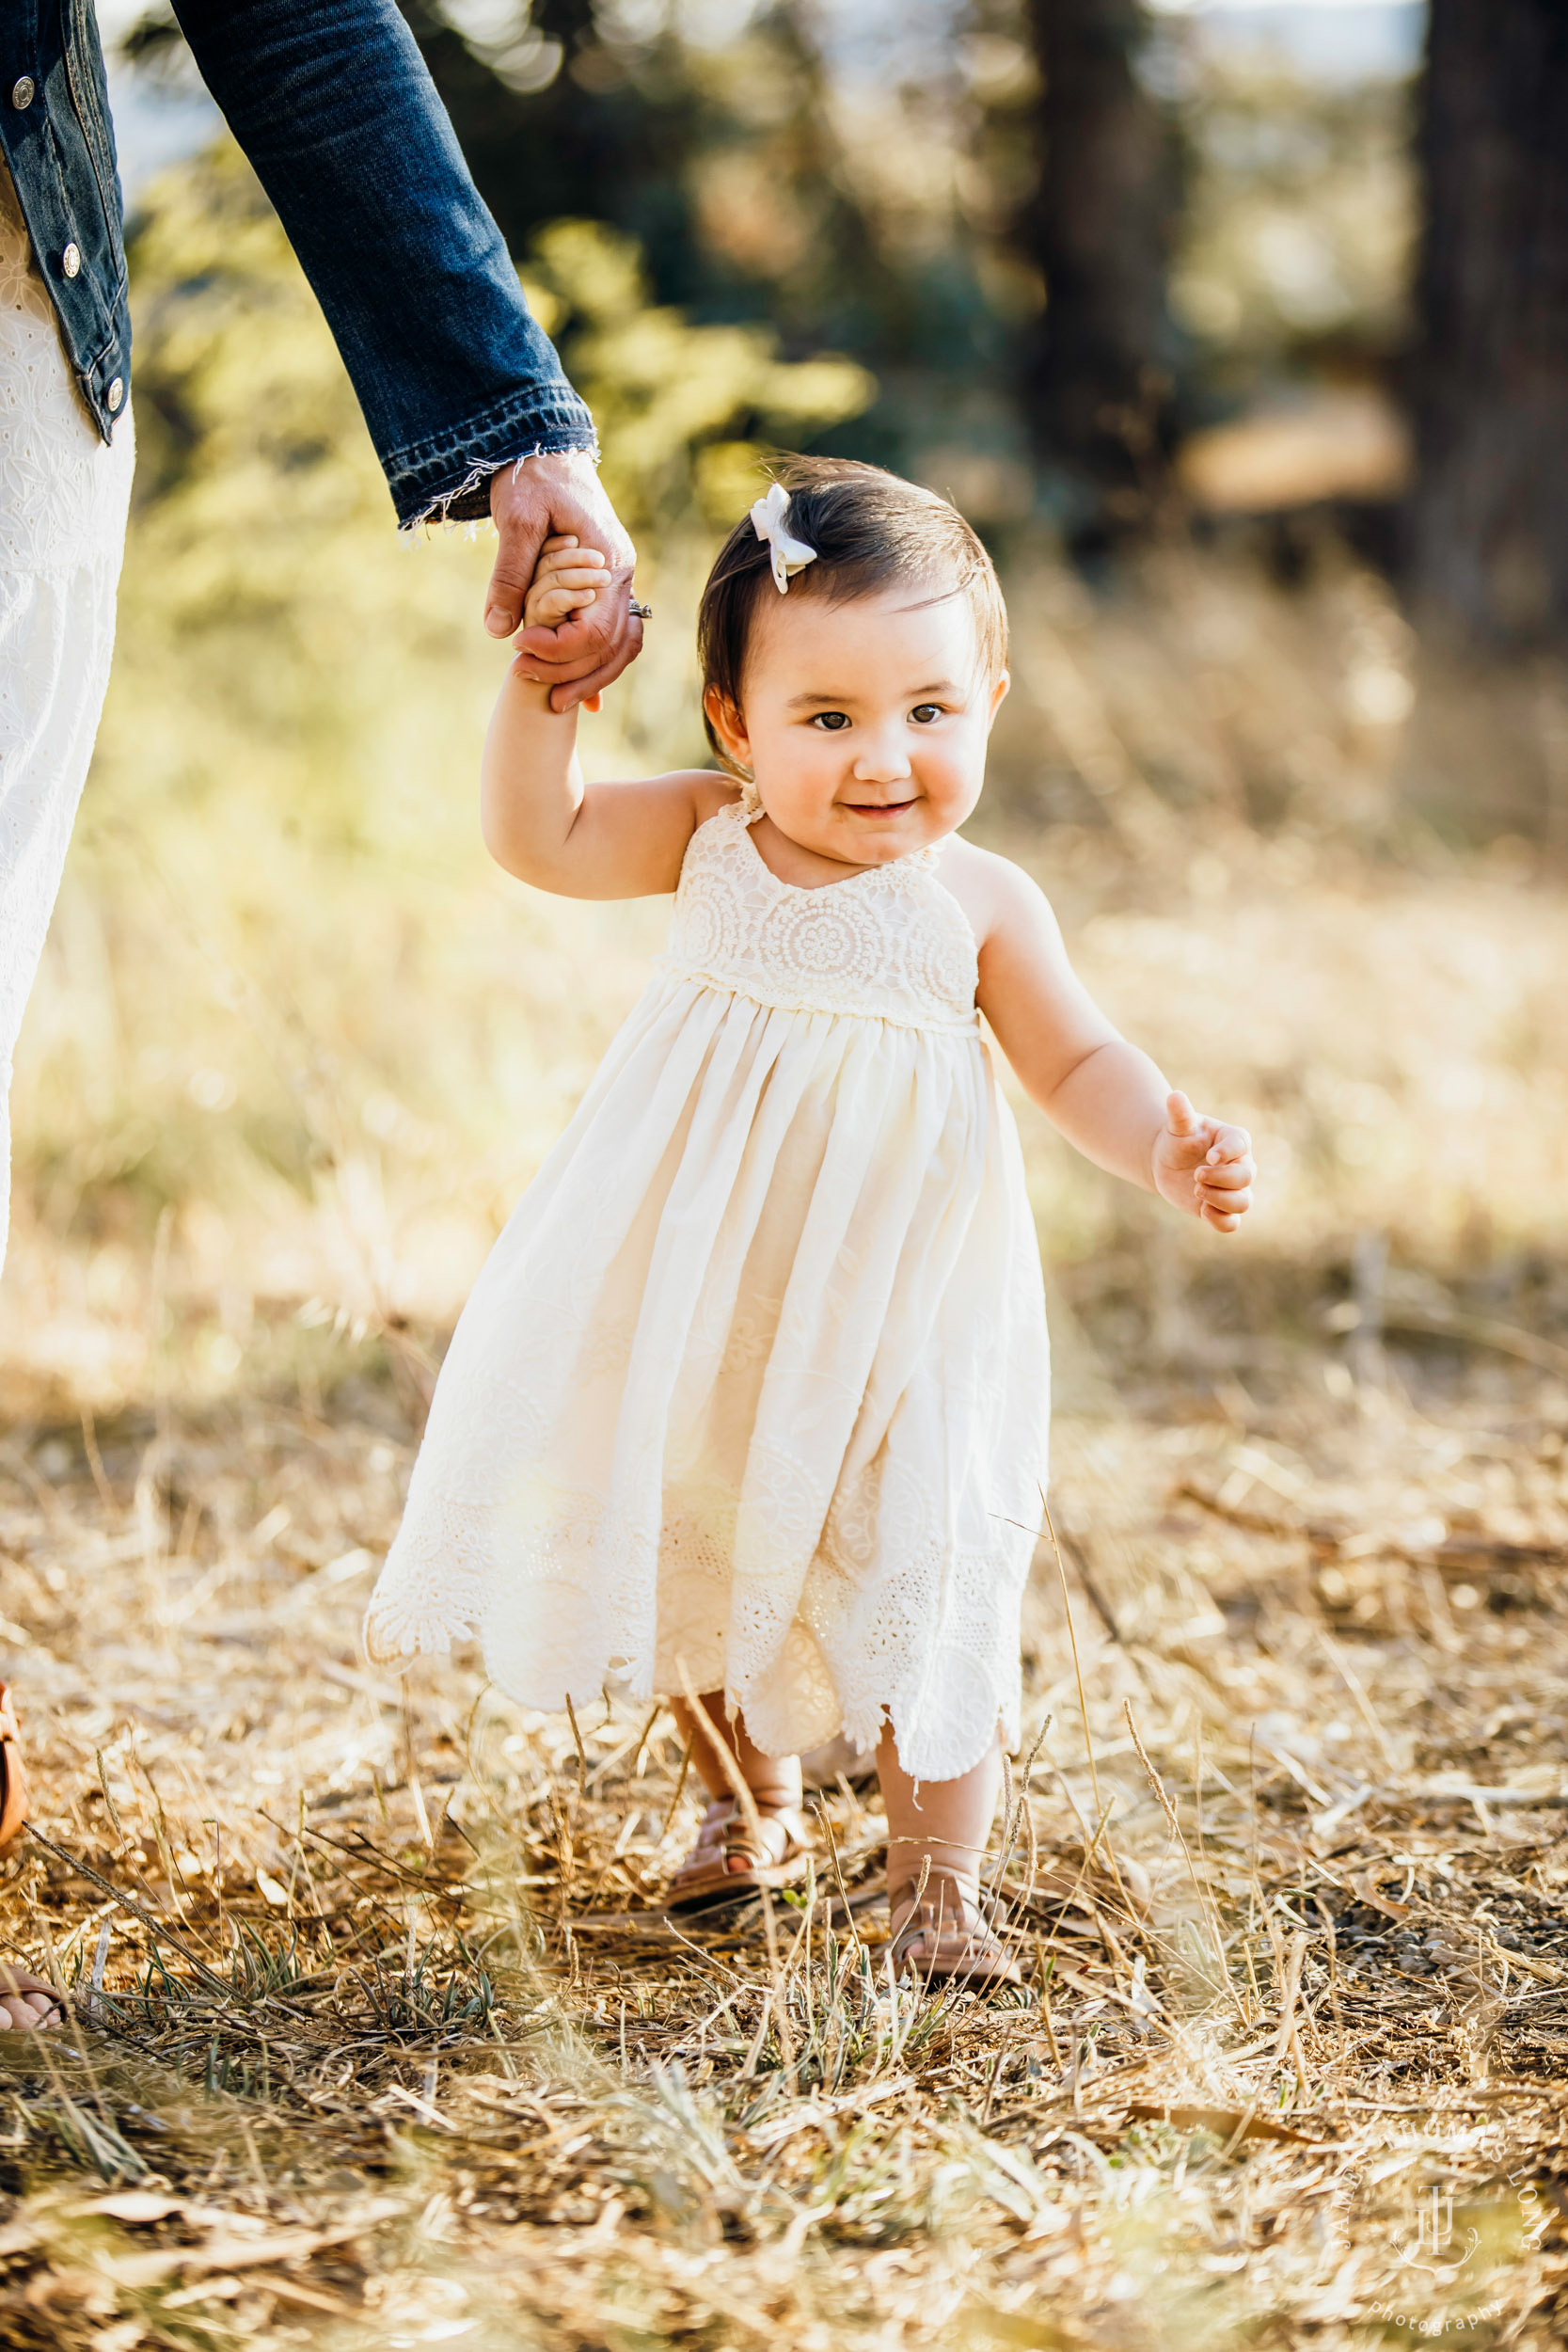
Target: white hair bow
point(768, 521)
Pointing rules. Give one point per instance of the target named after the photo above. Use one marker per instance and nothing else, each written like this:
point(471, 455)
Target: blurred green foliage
point(686, 413)
point(859, 178)
point(277, 879)
point(264, 582)
point(723, 139)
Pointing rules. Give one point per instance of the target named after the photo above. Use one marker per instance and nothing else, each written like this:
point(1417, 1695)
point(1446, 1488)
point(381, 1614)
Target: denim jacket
point(331, 102)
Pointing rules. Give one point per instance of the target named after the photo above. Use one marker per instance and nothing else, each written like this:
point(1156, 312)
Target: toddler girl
point(749, 1404)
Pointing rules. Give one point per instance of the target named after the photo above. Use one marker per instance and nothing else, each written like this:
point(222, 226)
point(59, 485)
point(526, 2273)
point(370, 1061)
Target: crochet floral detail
point(889, 943)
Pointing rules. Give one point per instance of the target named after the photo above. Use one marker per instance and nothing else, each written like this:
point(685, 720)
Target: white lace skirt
point(63, 501)
point(754, 1386)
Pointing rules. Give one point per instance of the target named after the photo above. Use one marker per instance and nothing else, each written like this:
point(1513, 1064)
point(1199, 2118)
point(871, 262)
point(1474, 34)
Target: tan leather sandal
point(14, 1775)
point(949, 1933)
point(726, 1840)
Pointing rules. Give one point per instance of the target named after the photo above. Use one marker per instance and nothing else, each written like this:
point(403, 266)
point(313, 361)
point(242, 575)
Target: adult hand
point(546, 498)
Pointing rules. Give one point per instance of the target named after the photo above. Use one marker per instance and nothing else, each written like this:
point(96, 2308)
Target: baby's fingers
point(565, 554)
point(573, 575)
point(1224, 1197)
point(1229, 1143)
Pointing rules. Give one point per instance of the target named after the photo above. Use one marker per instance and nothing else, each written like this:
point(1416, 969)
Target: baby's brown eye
point(925, 712)
point(833, 720)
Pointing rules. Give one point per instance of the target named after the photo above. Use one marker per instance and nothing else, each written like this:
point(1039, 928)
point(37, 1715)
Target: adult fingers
point(576, 650)
point(559, 496)
point(587, 691)
point(587, 652)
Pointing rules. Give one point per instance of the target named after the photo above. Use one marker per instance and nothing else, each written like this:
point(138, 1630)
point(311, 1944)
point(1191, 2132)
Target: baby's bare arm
point(543, 823)
point(539, 818)
point(1105, 1095)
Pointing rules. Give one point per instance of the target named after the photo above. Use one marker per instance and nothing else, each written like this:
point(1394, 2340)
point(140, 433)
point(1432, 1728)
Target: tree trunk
point(1098, 226)
point(1489, 517)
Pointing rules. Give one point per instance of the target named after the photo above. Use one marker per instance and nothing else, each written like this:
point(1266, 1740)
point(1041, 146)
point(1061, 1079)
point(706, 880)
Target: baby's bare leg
point(774, 1780)
point(950, 1821)
point(736, 1843)
point(937, 1835)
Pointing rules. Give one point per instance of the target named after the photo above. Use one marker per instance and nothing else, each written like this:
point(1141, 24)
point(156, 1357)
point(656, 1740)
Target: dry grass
point(372, 2043)
point(378, 2040)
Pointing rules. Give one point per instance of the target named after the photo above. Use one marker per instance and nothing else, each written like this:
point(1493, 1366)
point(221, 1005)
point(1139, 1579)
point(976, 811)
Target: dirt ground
point(378, 2037)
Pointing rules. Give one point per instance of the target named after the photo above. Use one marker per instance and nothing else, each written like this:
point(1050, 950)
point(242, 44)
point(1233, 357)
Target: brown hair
point(870, 529)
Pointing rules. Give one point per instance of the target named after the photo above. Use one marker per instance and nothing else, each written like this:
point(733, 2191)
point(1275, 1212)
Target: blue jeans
point(331, 102)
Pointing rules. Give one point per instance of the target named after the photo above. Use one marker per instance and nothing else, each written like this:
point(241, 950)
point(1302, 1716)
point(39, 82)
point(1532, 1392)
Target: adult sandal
point(771, 1854)
point(14, 1775)
point(949, 1934)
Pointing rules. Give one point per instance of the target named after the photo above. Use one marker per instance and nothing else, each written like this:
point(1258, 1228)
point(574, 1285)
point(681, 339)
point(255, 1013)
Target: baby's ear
point(725, 719)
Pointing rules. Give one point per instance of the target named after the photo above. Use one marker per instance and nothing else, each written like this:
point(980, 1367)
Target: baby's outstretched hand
point(566, 578)
point(1204, 1166)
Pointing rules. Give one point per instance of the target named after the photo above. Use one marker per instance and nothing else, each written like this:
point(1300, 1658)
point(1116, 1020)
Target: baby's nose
point(880, 762)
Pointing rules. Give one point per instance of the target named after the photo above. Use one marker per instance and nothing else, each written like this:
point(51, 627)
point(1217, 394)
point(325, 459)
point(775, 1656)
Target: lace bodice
point(890, 944)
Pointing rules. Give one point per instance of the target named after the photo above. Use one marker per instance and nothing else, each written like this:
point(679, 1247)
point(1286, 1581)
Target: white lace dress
point(63, 500)
point(756, 1380)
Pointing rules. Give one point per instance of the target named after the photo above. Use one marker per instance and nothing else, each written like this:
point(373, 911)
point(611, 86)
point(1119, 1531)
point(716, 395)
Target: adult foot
point(26, 2002)
point(946, 1931)
point(732, 1858)
point(14, 1775)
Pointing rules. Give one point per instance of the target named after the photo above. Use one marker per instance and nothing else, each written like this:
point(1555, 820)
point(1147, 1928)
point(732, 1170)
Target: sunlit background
point(296, 1048)
point(1246, 347)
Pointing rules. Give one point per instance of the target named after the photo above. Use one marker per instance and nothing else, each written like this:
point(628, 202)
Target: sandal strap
point(726, 1835)
point(742, 1839)
point(957, 1936)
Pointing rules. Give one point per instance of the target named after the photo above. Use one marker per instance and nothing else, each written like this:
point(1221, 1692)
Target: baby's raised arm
point(1106, 1096)
point(540, 820)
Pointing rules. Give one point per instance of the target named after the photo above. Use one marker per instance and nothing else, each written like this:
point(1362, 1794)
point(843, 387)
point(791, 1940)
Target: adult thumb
point(509, 585)
point(520, 532)
point(1183, 1119)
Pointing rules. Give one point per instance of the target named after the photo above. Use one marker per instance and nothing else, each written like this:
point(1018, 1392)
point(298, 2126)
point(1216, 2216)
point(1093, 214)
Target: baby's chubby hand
point(1204, 1166)
point(566, 579)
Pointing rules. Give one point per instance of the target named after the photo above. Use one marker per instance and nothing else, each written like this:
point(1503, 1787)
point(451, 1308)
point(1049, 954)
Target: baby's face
point(864, 723)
